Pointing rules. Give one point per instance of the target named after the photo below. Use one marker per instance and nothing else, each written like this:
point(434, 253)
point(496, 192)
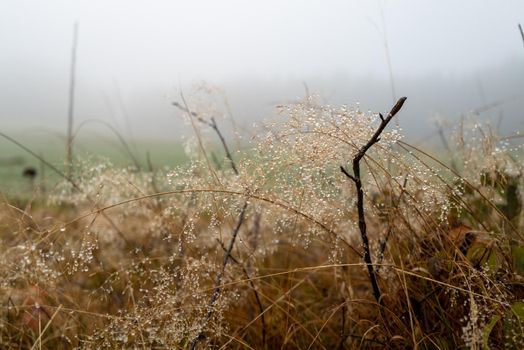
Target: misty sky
point(142, 52)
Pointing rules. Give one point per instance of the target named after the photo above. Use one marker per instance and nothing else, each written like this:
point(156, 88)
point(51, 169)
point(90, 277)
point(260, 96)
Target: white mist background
point(134, 57)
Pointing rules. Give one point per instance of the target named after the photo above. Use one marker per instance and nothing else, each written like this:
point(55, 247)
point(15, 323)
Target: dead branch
point(521, 33)
point(216, 293)
point(218, 280)
point(213, 125)
point(357, 180)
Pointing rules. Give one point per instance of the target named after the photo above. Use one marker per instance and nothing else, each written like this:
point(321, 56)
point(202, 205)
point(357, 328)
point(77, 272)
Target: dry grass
point(447, 246)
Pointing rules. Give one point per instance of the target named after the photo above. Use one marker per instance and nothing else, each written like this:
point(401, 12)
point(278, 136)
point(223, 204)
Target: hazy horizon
point(135, 57)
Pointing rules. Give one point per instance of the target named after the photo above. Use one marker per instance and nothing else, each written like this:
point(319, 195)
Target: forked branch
point(357, 180)
point(213, 125)
point(228, 251)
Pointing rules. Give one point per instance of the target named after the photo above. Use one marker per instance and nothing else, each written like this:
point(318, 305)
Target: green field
point(14, 160)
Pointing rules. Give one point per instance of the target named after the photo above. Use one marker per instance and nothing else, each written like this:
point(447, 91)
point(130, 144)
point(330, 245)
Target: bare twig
point(216, 293)
point(68, 179)
point(255, 292)
point(199, 139)
point(218, 280)
point(70, 111)
point(213, 125)
point(521, 33)
point(120, 137)
point(356, 178)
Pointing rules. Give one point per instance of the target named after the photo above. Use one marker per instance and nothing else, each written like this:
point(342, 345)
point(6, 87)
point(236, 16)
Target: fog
point(135, 57)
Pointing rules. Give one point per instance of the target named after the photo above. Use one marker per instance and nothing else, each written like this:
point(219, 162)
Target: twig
point(356, 178)
point(213, 125)
point(224, 144)
point(68, 179)
point(216, 293)
point(255, 292)
point(199, 139)
point(521, 33)
point(218, 280)
point(70, 110)
point(120, 137)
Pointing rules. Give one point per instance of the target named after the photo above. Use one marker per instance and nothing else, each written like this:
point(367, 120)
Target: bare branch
point(218, 280)
point(70, 180)
point(521, 33)
point(344, 171)
point(255, 292)
point(71, 107)
point(360, 194)
point(213, 125)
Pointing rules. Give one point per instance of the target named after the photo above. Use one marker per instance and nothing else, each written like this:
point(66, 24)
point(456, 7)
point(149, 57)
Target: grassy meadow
point(325, 231)
point(14, 160)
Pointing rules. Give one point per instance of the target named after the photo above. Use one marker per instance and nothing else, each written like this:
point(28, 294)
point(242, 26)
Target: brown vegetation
point(262, 248)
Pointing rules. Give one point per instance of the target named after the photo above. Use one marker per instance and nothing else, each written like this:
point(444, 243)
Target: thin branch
point(255, 292)
point(213, 125)
point(218, 280)
point(199, 139)
point(376, 136)
point(193, 114)
point(521, 33)
point(71, 107)
point(347, 174)
point(356, 178)
point(68, 179)
point(224, 144)
point(120, 137)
